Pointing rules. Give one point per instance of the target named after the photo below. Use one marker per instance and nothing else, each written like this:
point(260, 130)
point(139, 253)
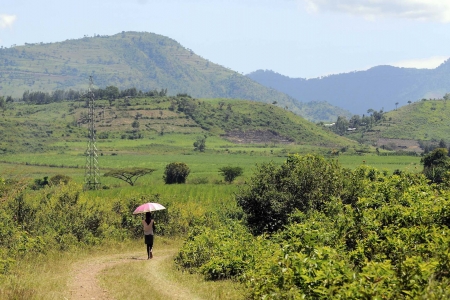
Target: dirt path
point(84, 283)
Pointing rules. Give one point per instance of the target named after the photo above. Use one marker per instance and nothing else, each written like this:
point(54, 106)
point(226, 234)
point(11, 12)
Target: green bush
point(58, 179)
point(436, 165)
point(302, 182)
point(230, 173)
point(176, 172)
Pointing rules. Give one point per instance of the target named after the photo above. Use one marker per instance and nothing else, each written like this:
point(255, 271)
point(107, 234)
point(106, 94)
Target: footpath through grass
point(130, 276)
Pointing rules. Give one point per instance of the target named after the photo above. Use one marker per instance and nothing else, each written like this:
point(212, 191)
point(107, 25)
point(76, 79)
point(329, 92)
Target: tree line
point(109, 92)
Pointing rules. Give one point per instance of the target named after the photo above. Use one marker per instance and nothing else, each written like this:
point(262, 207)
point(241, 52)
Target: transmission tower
point(91, 173)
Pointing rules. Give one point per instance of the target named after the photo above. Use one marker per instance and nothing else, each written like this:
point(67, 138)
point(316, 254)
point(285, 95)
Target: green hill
point(145, 61)
point(424, 120)
point(409, 127)
point(178, 119)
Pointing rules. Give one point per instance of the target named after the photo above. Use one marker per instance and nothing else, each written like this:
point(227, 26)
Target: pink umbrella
point(150, 206)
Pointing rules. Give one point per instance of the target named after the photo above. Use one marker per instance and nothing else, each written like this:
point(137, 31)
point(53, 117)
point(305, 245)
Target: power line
point(91, 173)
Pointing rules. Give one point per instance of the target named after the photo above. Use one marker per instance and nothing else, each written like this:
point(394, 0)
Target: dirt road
point(85, 284)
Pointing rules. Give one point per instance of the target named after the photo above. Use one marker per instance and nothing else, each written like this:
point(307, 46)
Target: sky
point(296, 38)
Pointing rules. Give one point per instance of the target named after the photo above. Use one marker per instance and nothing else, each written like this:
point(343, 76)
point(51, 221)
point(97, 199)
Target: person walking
point(148, 223)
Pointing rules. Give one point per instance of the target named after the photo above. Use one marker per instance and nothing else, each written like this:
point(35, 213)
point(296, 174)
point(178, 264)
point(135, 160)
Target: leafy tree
point(176, 172)
point(355, 121)
point(442, 144)
point(129, 175)
point(200, 144)
point(112, 92)
point(436, 164)
point(230, 173)
point(302, 182)
point(341, 125)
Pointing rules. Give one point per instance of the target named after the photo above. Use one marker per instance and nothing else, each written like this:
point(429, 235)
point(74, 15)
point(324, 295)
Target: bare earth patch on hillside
point(256, 137)
point(400, 144)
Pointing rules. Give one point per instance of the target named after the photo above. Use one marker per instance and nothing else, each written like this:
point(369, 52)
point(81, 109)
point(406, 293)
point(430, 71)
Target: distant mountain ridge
point(142, 60)
point(378, 88)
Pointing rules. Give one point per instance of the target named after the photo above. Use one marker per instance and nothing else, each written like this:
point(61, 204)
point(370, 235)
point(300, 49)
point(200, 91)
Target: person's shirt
point(148, 229)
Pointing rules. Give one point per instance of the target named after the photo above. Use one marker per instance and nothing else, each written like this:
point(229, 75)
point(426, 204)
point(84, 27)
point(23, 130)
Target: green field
point(202, 165)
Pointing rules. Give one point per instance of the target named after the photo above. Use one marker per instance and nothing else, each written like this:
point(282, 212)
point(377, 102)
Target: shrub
point(176, 172)
point(58, 179)
point(230, 173)
point(436, 164)
point(302, 182)
point(39, 183)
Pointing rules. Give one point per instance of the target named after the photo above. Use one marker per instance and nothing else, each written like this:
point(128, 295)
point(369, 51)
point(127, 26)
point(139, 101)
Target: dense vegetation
point(365, 234)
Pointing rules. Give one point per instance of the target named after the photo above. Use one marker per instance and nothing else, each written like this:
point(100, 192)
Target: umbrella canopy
point(148, 207)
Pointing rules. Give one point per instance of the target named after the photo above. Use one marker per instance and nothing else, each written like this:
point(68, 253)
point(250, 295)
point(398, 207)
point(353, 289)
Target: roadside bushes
point(367, 235)
point(217, 251)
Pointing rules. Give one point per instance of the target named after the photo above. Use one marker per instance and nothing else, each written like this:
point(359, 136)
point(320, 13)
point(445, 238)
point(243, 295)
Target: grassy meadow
point(204, 166)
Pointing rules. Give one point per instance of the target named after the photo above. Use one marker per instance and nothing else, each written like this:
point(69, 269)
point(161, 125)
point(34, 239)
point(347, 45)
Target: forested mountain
point(381, 87)
point(142, 60)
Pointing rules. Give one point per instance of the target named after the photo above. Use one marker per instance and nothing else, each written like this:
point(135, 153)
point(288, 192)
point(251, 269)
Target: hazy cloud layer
point(425, 63)
point(424, 10)
point(7, 20)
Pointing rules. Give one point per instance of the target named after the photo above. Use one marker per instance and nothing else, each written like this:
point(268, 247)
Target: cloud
point(423, 63)
point(423, 10)
point(7, 20)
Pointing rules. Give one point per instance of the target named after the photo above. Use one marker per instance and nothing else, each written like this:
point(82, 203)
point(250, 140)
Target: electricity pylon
point(91, 173)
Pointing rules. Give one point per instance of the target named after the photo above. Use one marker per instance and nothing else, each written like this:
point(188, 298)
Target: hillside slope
point(378, 88)
point(411, 127)
point(422, 120)
point(146, 61)
point(63, 126)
